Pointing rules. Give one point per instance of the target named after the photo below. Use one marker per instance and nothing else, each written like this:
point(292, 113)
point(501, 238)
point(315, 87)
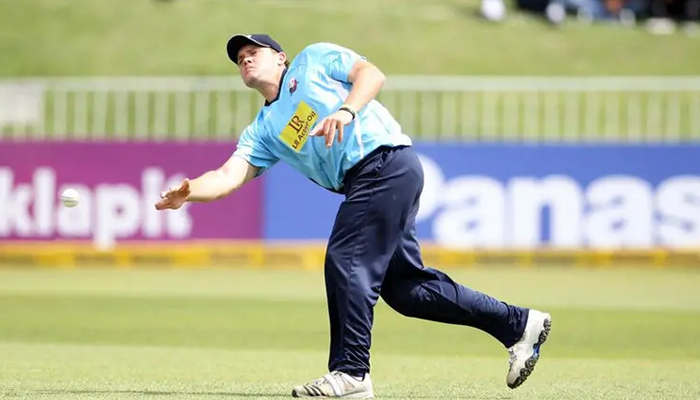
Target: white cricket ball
point(70, 197)
point(493, 10)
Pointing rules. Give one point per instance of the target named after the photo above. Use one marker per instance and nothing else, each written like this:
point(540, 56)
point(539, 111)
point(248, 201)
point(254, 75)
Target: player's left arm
point(366, 79)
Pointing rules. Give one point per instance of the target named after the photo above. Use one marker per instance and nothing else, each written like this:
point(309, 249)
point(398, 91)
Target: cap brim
point(235, 44)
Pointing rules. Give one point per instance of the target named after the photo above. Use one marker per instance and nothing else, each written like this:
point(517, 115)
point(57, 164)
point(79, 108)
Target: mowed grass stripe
point(564, 287)
point(109, 372)
point(238, 323)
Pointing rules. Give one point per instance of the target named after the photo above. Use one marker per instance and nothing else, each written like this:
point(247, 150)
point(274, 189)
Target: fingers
point(330, 132)
point(170, 197)
point(166, 200)
point(320, 128)
point(317, 131)
point(169, 203)
point(164, 204)
point(182, 190)
point(169, 193)
point(328, 127)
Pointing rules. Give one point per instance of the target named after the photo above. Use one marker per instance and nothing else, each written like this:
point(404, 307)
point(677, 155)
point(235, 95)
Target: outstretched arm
point(210, 186)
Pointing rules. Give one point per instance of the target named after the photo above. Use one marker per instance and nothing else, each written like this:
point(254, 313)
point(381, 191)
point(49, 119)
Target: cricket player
point(320, 116)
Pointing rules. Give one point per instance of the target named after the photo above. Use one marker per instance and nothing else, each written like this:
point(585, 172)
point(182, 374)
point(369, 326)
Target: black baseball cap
point(237, 41)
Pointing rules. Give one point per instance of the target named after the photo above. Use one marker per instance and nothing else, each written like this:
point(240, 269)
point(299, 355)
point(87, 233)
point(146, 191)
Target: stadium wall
point(482, 204)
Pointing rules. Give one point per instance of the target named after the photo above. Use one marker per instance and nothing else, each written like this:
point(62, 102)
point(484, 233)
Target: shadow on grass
point(226, 394)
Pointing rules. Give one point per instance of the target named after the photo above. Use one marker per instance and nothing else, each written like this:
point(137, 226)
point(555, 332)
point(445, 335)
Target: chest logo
point(297, 129)
point(293, 85)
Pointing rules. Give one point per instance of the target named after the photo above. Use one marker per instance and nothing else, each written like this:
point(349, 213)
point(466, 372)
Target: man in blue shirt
point(321, 117)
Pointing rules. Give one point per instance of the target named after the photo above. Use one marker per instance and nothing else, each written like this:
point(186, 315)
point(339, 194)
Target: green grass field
point(149, 37)
point(241, 334)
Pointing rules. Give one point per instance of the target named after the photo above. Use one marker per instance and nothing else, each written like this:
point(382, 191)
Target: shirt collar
point(279, 90)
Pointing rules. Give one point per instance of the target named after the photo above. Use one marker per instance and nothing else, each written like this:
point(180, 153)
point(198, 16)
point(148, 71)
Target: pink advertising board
point(119, 184)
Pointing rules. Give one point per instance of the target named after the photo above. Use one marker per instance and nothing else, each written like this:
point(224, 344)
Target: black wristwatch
point(349, 109)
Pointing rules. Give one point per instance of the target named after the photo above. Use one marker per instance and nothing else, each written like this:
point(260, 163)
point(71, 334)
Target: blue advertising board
point(520, 196)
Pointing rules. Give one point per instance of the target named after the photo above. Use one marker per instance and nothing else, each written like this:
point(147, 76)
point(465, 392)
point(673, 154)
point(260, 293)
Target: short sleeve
point(337, 60)
point(251, 148)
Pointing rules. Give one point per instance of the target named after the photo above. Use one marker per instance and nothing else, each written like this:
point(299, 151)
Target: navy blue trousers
point(373, 251)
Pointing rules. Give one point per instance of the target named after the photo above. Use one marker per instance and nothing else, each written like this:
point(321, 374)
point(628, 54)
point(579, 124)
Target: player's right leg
point(425, 293)
point(368, 228)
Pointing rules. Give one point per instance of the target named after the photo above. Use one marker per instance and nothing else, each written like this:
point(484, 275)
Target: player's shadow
point(162, 393)
point(441, 397)
point(251, 395)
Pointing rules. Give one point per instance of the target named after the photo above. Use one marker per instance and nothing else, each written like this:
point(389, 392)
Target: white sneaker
point(336, 384)
point(525, 353)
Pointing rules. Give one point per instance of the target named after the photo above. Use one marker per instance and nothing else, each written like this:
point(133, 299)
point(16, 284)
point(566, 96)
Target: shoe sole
point(532, 361)
point(350, 396)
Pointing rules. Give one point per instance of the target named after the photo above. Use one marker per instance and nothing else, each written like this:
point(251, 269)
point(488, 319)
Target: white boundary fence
point(503, 109)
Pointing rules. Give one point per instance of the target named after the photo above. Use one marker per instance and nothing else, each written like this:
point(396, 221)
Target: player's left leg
point(426, 293)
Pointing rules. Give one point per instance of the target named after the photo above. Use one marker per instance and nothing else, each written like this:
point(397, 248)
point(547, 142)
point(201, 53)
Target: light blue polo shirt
point(314, 86)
